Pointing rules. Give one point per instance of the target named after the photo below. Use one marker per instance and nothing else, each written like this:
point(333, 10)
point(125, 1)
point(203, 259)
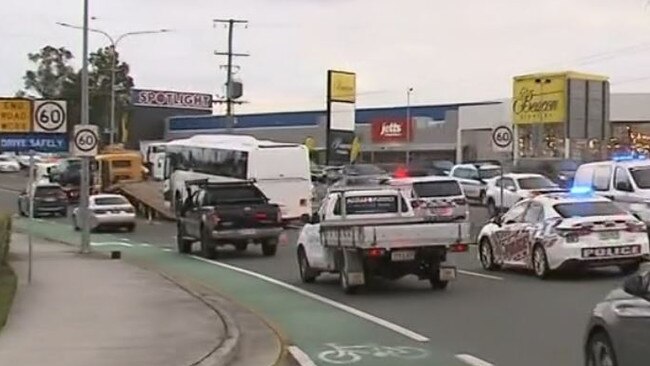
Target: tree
point(52, 75)
point(54, 78)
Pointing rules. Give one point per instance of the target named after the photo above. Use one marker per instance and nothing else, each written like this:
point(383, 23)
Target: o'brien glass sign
point(171, 99)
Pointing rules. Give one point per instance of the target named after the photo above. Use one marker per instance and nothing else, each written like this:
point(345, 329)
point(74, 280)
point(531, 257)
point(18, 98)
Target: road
point(505, 318)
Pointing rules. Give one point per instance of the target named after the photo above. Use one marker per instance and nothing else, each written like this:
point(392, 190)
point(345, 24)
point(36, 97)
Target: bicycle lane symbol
point(344, 355)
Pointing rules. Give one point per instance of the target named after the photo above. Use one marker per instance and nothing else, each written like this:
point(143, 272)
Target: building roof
point(307, 118)
point(565, 74)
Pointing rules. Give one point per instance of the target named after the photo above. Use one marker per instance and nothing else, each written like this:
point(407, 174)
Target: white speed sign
point(85, 140)
point(502, 138)
point(50, 116)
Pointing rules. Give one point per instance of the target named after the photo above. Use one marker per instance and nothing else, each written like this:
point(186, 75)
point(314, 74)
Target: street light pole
point(114, 41)
point(85, 119)
point(408, 119)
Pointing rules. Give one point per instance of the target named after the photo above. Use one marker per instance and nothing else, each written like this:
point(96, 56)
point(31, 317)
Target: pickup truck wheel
point(269, 247)
point(208, 247)
point(436, 282)
point(345, 285)
point(183, 245)
point(307, 274)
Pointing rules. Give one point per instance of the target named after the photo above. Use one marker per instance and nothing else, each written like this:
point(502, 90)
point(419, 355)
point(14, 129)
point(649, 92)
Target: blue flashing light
point(629, 156)
point(581, 191)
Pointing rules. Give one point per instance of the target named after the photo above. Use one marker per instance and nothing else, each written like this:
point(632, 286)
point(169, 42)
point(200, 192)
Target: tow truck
point(363, 232)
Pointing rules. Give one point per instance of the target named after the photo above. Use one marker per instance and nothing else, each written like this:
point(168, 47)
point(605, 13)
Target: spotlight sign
point(341, 113)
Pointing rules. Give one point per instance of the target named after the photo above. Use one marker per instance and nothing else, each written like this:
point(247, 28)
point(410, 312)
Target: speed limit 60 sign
point(502, 139)
point(85, 140)
point(50, 116)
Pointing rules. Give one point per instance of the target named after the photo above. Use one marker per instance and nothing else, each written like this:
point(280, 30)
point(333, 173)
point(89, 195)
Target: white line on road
point(167, 249)
point(125, 239)
point(111, 243)
point(481, 275)
point(369, 317)
point(473, 361)
point(301, 357)
point(145, 244)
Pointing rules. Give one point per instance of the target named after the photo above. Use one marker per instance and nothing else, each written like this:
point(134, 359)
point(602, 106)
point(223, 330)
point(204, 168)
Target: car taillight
point(303, 202)
point(401, 173)
point(375, 252)
point(214, 219)
point(261, 216)
point(636, 227)
point(458, 248)
point(460, 201)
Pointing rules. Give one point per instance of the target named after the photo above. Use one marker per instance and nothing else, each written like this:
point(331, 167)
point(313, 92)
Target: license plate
point(402, 255)
point(247, 231)
point(609, 235)
point(443, 211)
point(608, 252)
point(447, 273)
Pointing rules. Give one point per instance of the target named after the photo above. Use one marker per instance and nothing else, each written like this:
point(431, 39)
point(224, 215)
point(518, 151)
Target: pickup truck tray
point(392, 233)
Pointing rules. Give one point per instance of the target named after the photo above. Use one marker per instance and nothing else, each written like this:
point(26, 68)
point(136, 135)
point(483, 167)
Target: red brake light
point(214, 218)
point(375, 252)
point(458, 248)
point(261, 216)
point(401, 173)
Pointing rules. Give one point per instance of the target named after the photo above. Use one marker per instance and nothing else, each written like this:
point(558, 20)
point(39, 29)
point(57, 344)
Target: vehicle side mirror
point(637, 285)
point(624, 186)
point(315, 218)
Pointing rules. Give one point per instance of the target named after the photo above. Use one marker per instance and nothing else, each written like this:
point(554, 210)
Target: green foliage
point(5, 237)
point(53, 77)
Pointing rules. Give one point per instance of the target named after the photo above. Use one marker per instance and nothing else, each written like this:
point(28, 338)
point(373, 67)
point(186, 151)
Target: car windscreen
point(363, 205)
point(587, 209)
point(47, 191)
point(109, 201)
point(641, 177)
point(364, 169)
point(437, 189)
point(489, 173)
point(230, 195)
point(535, 183)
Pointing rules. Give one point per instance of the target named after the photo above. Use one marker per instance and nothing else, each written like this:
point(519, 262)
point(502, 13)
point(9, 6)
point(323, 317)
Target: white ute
point(361, 232)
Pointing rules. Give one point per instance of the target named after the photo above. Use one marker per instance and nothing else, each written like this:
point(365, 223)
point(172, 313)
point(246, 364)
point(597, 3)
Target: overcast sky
point(447, 50)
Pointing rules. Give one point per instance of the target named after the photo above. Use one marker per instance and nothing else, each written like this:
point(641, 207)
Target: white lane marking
point(472, 360)
point(111, 243)
point(166, 250)
point(481, 275)
point(145, 244)
point(125, 239)
point(301, 357)
point(369, 317)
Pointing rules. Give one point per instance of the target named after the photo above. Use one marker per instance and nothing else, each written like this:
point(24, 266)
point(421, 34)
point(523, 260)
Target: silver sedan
point(107, 211)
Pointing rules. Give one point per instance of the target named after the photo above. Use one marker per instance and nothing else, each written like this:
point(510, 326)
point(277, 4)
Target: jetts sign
point(623, 251)
point(391, 130)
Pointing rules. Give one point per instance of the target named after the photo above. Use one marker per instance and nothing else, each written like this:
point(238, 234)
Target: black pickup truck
point(218, 214)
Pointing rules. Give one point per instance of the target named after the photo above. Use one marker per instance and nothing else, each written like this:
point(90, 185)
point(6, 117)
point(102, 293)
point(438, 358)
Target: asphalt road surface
point(506, 318)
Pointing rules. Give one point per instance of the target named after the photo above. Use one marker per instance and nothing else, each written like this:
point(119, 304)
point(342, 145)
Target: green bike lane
point(330, 334)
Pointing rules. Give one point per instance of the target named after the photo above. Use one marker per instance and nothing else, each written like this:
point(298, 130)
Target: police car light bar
point(581, 191)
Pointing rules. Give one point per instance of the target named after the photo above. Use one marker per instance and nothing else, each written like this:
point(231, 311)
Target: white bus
point(280, 170)
point(154, 158)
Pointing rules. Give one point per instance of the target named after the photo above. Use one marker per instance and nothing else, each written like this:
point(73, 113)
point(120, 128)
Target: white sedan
point(564, 231)
point(107, 211)
point(8, 164)
point(515, 188)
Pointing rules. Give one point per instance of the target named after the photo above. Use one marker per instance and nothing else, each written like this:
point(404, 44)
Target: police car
point(563, 231)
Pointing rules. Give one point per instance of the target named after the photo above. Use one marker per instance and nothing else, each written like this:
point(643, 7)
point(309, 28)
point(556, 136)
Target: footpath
point(91, 310)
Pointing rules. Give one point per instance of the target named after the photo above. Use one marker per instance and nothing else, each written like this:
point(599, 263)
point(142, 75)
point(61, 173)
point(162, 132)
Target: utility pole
point(230, 98)
point(85, 119)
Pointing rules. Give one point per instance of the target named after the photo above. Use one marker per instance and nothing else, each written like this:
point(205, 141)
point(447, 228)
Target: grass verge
point(7, 292)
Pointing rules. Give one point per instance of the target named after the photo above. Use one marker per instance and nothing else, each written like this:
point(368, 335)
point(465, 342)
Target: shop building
point(385, 134)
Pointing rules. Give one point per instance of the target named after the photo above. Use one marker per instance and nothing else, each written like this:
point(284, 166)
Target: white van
point(626, 182)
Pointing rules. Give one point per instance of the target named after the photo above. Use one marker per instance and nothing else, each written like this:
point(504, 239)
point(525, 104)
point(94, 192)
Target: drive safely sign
point(43, 142)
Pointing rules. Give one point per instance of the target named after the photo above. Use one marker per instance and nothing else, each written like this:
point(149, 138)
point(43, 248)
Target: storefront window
point(541, 140)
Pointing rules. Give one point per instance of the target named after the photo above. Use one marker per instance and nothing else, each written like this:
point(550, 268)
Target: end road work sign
point(43, 142)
